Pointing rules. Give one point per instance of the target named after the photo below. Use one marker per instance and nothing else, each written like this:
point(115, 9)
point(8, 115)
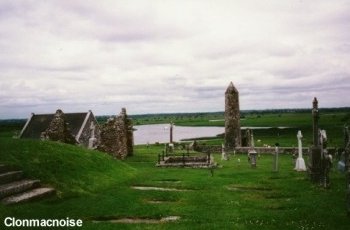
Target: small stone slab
point(10, 176)
point(3, 168)
point(30, 195)
point(146, 188)
point(159, 201)
point(17, 187)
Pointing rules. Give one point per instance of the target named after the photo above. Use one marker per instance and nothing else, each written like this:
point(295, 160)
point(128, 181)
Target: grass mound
point(72, 170)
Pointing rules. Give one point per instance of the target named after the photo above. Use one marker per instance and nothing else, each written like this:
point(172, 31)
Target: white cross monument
point(300, 163)
point(92, 139)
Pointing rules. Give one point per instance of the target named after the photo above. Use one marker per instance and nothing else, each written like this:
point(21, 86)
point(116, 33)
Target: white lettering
point(55, 223)
point(6, 221)
point(62, 223)
point(48, 223)
point(79, 223)
point(18, 223)
point(13, 222)
point(71, 223)
point(34, 223)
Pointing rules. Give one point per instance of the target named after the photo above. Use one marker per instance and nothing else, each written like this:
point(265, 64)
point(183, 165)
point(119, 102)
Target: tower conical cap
point(231, 89)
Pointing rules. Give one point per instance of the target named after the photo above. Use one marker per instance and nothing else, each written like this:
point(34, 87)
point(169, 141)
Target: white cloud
point(171, 56)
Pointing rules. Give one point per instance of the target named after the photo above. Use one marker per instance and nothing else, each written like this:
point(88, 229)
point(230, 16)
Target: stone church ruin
point(115, 137)
point(71, 128)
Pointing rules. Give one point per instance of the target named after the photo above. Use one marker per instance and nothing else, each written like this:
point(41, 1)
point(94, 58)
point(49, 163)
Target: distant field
point(332, 120)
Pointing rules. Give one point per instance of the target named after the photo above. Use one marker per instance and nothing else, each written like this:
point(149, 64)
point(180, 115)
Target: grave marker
point(300, 163)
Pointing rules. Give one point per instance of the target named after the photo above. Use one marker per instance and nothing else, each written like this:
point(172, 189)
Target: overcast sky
point(171, 56)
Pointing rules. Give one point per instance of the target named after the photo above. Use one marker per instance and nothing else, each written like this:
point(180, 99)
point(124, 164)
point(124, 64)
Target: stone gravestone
point(224, 156)
point(319, 159)
point(171, 132)
point(252, 154)
point(171, 144)
point(300, 163)
point(347, 166)
point(326, 159)
point(275, 162)
point(315, 164)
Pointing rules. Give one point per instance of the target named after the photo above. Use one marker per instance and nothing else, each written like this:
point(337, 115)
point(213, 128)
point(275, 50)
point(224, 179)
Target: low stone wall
point(187, 162)
point(259, 150)
point(185, 159)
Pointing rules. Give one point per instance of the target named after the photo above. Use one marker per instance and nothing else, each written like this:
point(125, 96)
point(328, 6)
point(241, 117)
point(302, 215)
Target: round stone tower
point(232, 116)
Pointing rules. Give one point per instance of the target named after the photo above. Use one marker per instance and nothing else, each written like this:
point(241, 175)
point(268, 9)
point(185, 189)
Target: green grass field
point(333, 122)
point(92, 186)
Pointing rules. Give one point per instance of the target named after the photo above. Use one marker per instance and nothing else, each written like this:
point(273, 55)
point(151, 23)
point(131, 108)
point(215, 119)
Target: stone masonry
point(232, 116)
point(117, 136)
point(58, 130)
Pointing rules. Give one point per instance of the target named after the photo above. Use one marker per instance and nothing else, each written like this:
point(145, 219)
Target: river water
point(161, 133)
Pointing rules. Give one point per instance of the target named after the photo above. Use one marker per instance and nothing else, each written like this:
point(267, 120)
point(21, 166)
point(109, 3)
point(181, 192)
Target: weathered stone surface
point(77, 124)
point(232, 116)
point(29, 195)
point(171, 132)
point(14, 189)
point(315, 164)
point(89, 133)
point(300, 163)
point(58, 130)
point(347, 166)
point(188, 162)
point(246, 138)
point(17, 186)
point(117, 136)
point(320, 159)
point(261, 150)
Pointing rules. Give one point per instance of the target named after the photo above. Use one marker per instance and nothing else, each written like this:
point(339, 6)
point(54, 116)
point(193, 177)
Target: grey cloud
point(73, 68)
point(117, 23)
point(262, 48)
point(205, 92)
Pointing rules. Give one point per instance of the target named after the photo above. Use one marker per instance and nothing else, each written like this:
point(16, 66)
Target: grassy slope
point(69, 168)
point(80, 176)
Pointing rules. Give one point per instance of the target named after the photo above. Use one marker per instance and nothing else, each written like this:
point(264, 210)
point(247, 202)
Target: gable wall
point(86, 132)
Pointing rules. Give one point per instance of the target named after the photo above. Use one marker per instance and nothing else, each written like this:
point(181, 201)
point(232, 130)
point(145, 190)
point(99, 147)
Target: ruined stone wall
point(116, 136)
point(121, 138)
point(130, 137)
point(58, 130)
point(108, 137)
point(268, 150)
point(246, 138)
